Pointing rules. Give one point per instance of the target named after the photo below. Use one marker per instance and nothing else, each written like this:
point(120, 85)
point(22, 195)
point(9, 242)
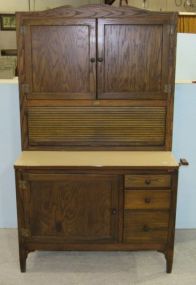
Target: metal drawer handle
point(147, 200)
point(147, 181)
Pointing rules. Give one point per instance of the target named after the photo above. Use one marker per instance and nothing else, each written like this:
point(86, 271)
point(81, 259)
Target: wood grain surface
point(64, 208)
point(149, 226)
point(147, 181)
point(62, 68)
point(132, 59)
point(97, 126)
point(147, 199)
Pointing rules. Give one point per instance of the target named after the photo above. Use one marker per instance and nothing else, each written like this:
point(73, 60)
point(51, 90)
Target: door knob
point(114, 211)
point(146, 228)
point(92, 59)
point(100, 59)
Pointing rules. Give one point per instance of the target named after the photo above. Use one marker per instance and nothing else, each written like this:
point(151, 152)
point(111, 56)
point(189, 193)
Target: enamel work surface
point(96, 158)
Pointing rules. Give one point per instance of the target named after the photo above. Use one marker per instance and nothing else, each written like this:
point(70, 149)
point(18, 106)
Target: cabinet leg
point(169, 260)
point(22, 256)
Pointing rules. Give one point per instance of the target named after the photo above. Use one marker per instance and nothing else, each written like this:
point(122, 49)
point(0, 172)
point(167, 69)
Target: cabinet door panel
point(73, 208)
point(133, 59)
point(62, 67)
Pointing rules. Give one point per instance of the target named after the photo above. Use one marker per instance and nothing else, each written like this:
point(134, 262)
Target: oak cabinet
point(96, 107)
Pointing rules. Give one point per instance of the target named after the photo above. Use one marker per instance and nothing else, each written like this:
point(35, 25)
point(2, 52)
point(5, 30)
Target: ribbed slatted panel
point(97, 126)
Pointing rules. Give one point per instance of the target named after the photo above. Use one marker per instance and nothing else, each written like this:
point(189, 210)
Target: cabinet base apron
point(27, 248)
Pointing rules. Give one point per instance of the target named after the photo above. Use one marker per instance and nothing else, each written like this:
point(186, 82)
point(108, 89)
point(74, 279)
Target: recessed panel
point(60, 58)
point(133, 58)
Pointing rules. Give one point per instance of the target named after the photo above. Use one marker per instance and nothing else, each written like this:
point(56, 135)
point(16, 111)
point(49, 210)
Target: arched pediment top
point(95, 11)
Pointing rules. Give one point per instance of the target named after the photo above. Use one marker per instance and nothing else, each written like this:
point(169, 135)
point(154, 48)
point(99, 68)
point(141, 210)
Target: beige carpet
point(98, 268)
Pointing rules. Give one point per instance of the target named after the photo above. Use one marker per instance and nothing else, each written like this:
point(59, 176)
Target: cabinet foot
point(23, 256)
point(169, 261)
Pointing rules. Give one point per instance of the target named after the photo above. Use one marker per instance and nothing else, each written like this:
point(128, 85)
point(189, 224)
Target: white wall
point(184, 146)
point(9, 150)
point(186, 57)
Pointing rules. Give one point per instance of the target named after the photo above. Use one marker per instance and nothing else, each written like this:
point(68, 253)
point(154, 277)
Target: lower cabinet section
point(96, 209)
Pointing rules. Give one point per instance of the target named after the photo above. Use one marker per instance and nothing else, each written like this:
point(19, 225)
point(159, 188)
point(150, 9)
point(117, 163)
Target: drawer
point(132, 181)
point(146, 226)
point(147, 199)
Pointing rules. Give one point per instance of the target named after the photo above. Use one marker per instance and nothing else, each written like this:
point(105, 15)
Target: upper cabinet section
point(96, 52)
point(96, 77)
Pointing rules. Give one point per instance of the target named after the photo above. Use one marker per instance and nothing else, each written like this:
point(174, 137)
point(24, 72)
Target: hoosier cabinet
point(96, 105)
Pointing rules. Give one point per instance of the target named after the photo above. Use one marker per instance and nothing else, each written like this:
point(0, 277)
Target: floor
point(98, 268)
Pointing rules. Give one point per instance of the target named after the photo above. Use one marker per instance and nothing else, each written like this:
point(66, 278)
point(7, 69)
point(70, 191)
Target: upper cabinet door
point(59, 58)
point(133, 58)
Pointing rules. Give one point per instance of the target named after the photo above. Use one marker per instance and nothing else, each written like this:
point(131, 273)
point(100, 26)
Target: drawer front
point(132, 181)
point(146, 226)
point(147, 199)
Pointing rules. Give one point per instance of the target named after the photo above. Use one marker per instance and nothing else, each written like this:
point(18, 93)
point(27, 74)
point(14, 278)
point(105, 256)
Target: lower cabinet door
point(72, 208)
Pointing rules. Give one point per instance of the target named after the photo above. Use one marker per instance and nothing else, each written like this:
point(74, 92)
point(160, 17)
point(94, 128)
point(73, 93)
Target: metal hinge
point(172, 30)
point(22, 184)
point(25, 232)
point(25, 88)
point(22, 30)
point(167, 88)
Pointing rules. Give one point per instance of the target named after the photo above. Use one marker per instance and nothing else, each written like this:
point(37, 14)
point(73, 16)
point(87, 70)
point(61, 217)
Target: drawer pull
point(147, 181)
point(147, 200)
point(146, 228)
point(114, 211)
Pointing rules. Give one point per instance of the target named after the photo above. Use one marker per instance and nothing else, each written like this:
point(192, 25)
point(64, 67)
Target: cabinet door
point(72, 208)
point(133, 58)
point(59, 59)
